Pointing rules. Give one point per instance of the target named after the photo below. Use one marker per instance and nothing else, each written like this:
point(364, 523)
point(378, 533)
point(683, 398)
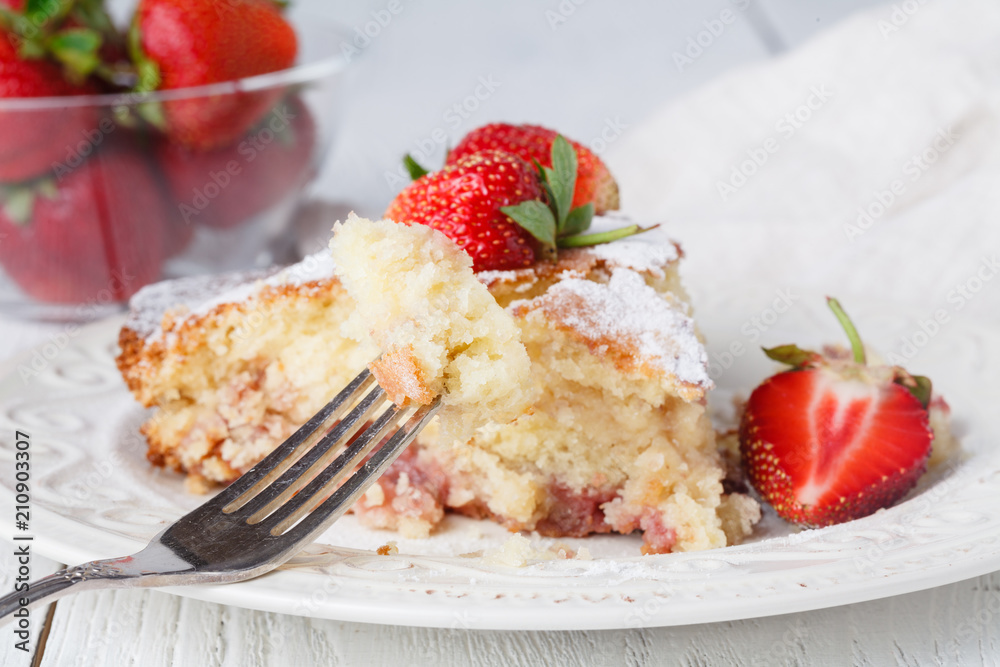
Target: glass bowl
point(98, 198)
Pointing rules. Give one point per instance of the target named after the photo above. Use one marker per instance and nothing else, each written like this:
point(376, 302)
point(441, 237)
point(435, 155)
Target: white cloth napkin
point(877, 143)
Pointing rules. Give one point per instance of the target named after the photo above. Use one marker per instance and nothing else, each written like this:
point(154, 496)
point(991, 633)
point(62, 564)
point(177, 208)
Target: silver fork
point(266, 516)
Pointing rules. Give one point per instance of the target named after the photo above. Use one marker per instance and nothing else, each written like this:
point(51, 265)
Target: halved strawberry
point(463, 201)
point(834, 439)
point(594, 183)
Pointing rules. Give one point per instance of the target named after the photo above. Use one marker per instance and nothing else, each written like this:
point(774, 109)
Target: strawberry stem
point(597, 238)
point(857, 347)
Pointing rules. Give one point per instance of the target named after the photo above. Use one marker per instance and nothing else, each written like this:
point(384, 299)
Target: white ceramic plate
point(95, 496)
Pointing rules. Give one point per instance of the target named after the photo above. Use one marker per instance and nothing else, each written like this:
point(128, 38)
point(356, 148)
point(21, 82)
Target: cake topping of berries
point(594, 183)
point(833, 438)
point(464, 201)
point(522, 214)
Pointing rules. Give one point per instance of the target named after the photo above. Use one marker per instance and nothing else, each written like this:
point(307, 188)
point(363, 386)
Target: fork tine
point(307, 520)
point(312, 461)
point(319, 487)
point(278, 461)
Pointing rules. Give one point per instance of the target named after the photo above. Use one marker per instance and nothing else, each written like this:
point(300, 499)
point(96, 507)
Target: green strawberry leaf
point(41, 13)
point(536, 218)
point(541, 171)
point(549, 196)
point(92, 14)
point(918, 385)
point(18, 203)
point(152, 113)
point(578, 220)
point(148, 79)
point(147, 71)
point(47, 187)
point(8, 19)
point(922, 389)
point(597, 238)
point(562, 178)
point(791, 354)
point(414, 168)
point(77, 49)
point(147, 76)
point(31, 49)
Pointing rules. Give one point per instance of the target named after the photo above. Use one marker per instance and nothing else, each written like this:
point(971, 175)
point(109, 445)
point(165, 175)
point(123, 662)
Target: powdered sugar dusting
point(627, 309)
point(650, 252)
point(201, 294)
point(638, 255)
point(318, 266)
point(149, 304)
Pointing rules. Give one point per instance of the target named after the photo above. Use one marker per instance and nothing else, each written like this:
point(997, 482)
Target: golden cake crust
point(399, 374)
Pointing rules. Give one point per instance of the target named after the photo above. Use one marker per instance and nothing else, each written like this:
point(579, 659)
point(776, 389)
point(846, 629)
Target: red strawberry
point(594, 183)
point(227, 186)
point(32, 140)
point(464, 199)
point(97, 235)
point(184, 43)
point(834, 439)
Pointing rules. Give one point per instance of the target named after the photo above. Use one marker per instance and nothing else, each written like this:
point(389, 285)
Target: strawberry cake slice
point(603, 428)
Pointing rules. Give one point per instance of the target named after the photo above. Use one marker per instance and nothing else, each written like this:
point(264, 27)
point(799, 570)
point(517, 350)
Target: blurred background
point(850, 117)
point(589, 69)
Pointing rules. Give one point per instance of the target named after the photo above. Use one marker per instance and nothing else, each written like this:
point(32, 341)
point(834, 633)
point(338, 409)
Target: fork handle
point(95, 574)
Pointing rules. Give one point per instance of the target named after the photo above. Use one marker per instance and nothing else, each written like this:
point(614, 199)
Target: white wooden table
point(582, 67)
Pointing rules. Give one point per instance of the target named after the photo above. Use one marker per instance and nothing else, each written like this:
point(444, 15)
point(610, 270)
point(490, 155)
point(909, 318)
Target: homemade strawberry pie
point(571, 371)
point(616, 437)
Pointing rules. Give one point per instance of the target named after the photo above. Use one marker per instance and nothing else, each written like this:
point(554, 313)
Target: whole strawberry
point(97, 235)
point(523, 213)
point(186, 43)
point(834, 439)
point(594, 183)
point(225, 187)
point(32, 140)
point(463, 201)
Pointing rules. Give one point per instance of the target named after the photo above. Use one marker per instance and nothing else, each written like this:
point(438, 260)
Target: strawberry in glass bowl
point(181, 143)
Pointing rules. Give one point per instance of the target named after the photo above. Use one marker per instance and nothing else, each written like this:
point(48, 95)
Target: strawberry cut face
point(823, 448)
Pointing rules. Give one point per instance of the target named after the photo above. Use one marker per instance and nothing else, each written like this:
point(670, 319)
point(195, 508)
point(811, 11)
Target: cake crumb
point(374, 496)
point(197, 485)
point(518, 551)
point(388, 549)
point(515, 552)
point(945, 445)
